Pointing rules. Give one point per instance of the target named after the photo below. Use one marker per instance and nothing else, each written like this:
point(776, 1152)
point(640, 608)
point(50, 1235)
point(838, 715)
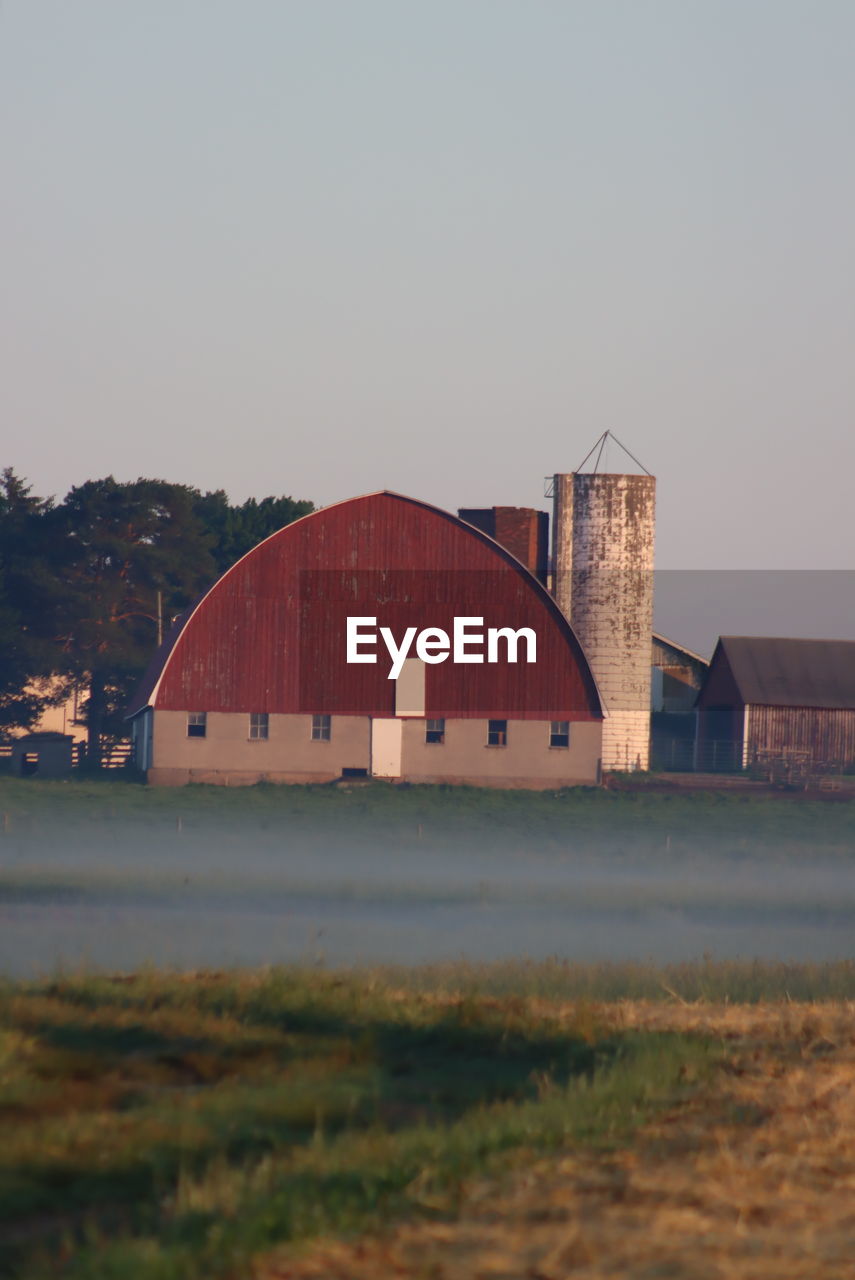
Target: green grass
point(159, 1126)
point(578, 818)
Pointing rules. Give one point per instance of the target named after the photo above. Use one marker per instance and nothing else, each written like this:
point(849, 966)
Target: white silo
point(602, 555)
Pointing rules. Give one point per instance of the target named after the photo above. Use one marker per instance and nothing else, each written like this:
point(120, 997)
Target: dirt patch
point(753, 1180)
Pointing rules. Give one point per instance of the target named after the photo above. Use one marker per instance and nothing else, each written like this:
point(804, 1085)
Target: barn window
point(435, 731)
point(197, 724)
point(321, 728)
point(258, 725)
point(497, 733)
point(559, 733)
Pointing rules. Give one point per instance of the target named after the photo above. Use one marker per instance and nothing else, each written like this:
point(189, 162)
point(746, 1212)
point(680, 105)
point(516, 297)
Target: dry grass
point(754, 1179)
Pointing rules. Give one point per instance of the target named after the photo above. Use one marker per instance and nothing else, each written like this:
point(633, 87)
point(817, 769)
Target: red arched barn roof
point(270, 634)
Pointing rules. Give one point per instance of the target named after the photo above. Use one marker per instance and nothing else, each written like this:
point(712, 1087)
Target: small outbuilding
point(676, 678)
point(766, 698)
point(47, 755)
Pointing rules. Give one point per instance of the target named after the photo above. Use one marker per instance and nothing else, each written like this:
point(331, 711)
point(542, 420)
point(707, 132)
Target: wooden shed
point(782, 699)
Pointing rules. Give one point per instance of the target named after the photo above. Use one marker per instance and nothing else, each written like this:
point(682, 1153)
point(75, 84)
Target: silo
point(602, 556)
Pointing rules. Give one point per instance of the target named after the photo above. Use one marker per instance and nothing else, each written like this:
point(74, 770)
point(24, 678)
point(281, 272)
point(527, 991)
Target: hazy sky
point(332, 246)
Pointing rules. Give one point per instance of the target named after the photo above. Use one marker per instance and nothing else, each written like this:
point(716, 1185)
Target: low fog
point(204, 894)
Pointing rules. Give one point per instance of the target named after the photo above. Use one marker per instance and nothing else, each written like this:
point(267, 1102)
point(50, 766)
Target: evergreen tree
point(237, 529)
point(87, 585)
point(128, 554)
point(29, 592)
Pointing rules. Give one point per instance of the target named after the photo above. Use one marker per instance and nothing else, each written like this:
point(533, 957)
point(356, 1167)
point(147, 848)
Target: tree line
point(89, 584)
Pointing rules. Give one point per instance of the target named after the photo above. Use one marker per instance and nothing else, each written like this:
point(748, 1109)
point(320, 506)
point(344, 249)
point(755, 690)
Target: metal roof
point(269, 635)
point(658, 638)
point(791, 673)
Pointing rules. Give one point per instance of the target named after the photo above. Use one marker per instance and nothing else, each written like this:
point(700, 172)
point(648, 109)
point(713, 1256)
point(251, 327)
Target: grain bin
point(602, 555)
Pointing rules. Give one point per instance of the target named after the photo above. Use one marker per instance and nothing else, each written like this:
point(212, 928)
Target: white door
point(410, 688)
point(386, 748)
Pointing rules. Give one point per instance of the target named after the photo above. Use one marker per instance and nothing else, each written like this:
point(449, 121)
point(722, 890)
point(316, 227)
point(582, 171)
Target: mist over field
point(119, 880)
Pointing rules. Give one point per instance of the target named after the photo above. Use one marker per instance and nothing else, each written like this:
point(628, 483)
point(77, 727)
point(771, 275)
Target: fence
point(684, 755)
point(116, 756)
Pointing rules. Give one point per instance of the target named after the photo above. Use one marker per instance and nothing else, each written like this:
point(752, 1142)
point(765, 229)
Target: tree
point(125, 552)
point(237, 529)
point(29, 592)
point(84, 586)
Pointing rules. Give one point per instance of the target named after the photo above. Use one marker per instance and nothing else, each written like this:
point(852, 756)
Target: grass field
point(449, 1120)
point(749, 1176)
point(163, 1126)
point(111, 876)
point(85, 805)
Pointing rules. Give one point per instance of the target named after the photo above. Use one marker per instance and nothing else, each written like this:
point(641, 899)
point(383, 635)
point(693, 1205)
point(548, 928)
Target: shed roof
point(679, 649)
point(791, 673)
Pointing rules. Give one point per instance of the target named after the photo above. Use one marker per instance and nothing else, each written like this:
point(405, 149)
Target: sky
point(439, 246)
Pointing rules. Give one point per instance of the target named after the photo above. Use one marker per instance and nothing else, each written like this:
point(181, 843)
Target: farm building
point(780, 699)
point(678, 674)
point(603, 528)
point(47, 754)
point(255, 683)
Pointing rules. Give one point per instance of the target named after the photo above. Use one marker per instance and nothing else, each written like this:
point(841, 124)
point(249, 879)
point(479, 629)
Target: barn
point(779, 699)
point(267, 679)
